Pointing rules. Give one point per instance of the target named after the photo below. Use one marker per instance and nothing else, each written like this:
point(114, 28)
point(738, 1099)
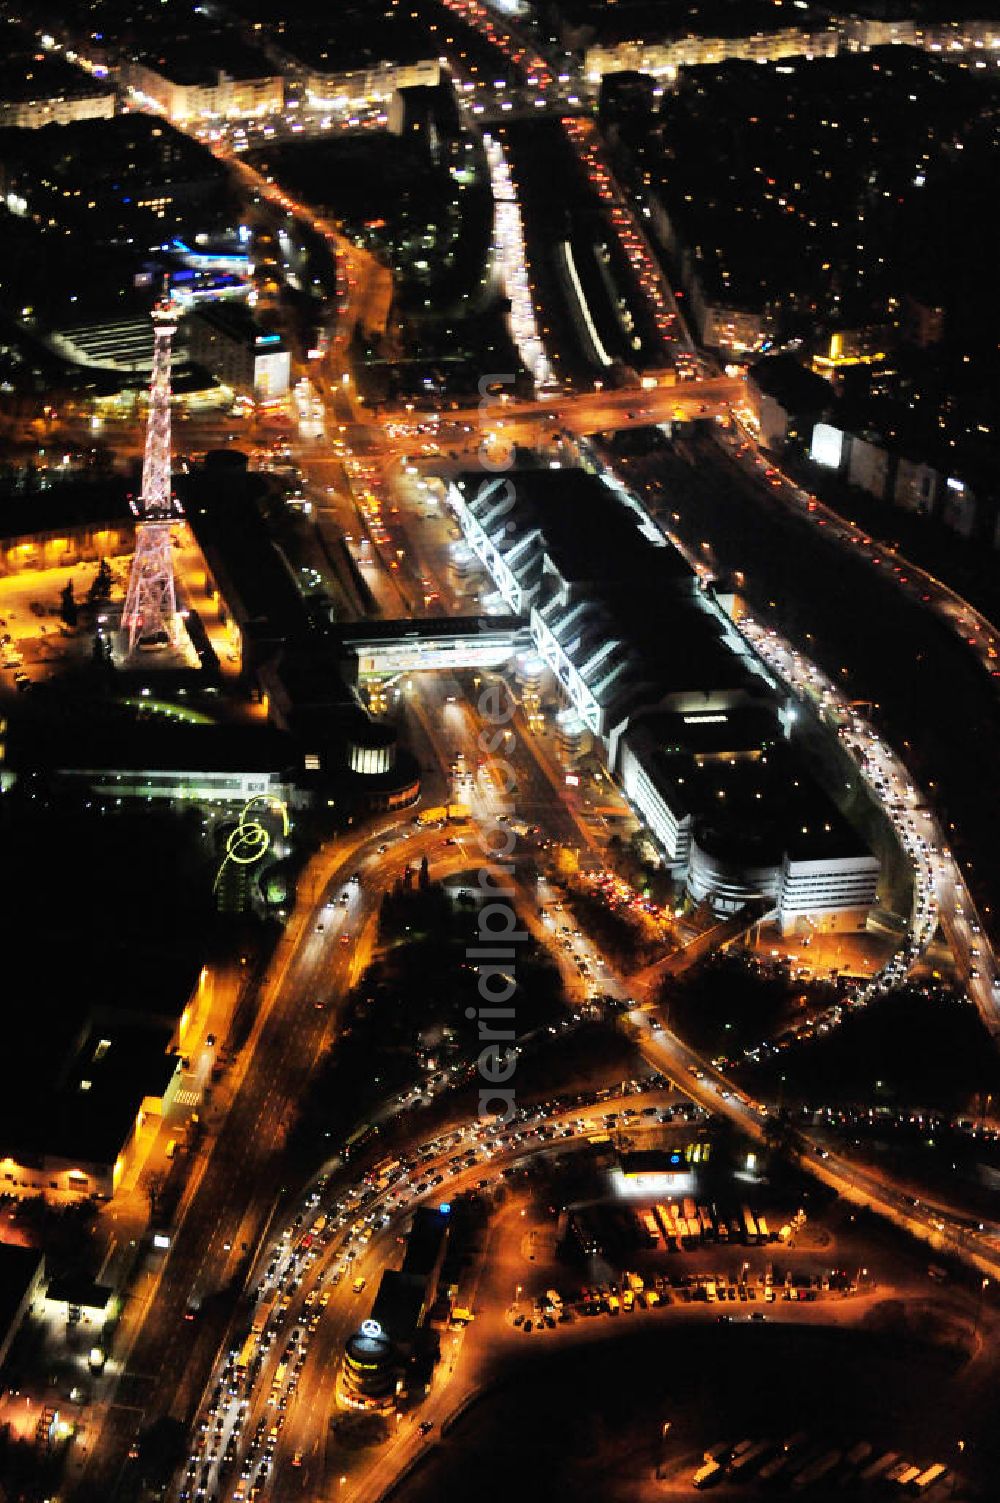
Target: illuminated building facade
point(375, 754)
point(186, 86)
point(226, 339)
point(69, 537)
point(368, 1372)
point(785, 399)
point(826, 38)
point(352, 88)
point(375, 1358)
point(105, 1109)
point(150, 613)
point(39, 89)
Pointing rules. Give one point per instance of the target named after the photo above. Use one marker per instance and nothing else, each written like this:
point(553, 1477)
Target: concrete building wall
point(54, 1177)
point(87, 544)
point(662, 59)
point(672, 832)
point(868, 467)
point(836, 893)
point(726, 885)
point(737, 331)
point(227, 98)
point(770, 415)
point(32, 114)
point(917, 486)
point(959, 508)
point(362, 85)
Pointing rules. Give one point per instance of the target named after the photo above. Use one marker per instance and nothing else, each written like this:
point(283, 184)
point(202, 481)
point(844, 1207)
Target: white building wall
point(771, 416)
point(735, 330)
point(823, 889)
point(673, 833)
point(272, 374)
point(868, 467)
point(228, 98)
point(727, 886)
point(663, 59)
point(31, 114)
point(359, 86)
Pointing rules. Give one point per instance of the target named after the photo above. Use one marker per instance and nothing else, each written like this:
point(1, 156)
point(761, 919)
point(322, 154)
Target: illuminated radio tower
point(150, 614)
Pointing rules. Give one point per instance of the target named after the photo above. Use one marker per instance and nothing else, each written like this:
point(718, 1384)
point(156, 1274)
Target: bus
point(263, 1313)
point(744, 1465)
point(666, 1220)
point(877, 1468)
point(749, 1226)
point(650, 1228)
point(771, 1470)
point(279, 1378)
point(707, 1474)
point(246, 1355)
point(817, 1469)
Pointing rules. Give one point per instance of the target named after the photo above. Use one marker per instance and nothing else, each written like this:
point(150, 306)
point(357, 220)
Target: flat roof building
point(72, 1295)
point(206, 75)
point(400, 1306)
point(572, 556)
point(371, 53)
point(79, 523)
point(227, 339)
point(42, 88)
point(425, 1248)
point(128, 759)
point(22, 1273)
point(690, 720)
point(741, 817)
point(144, 180)
point(117, 1082)
point(786, 398)
point(375, 1356)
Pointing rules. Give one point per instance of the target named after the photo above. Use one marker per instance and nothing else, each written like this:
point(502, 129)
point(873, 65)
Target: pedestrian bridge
point(384, 648)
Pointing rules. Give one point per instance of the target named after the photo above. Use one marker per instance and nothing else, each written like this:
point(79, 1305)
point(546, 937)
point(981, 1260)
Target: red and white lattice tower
point(150, 614)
